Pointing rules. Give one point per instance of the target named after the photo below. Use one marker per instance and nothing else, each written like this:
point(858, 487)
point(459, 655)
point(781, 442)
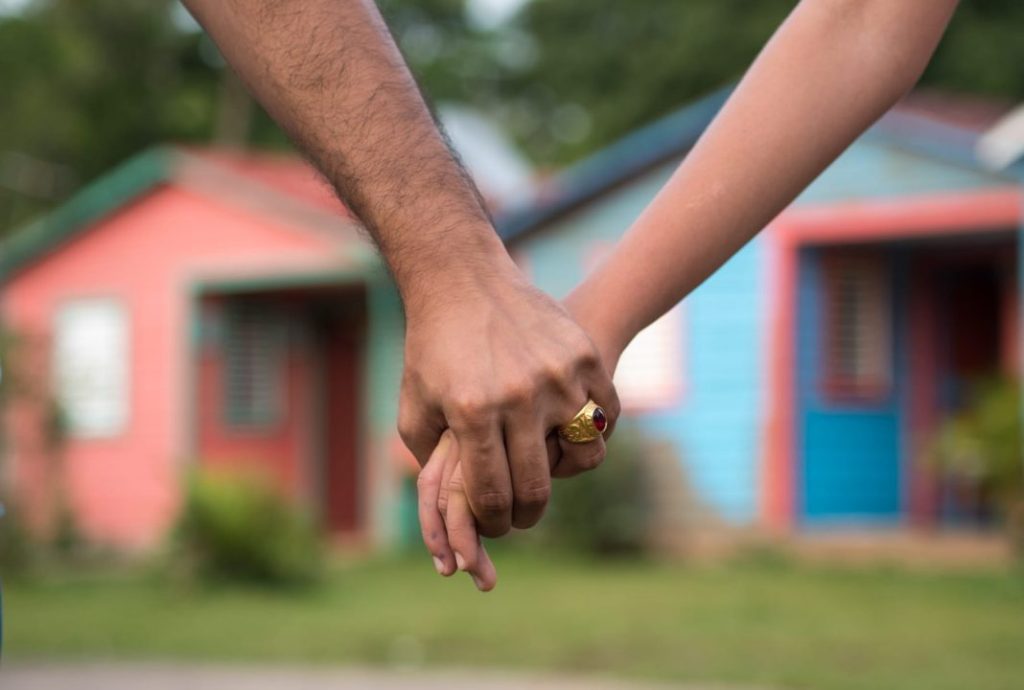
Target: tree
point(87, 83)
point(605, 67)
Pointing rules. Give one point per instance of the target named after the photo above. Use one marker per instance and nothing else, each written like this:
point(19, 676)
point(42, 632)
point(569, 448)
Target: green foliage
point(17, 551)
point(1015, 527)
point(568, 77)
point(239, 527)
point(87, 83)
point(620, 65)
point(8, 368)
point(983, 443)
point(608, 511)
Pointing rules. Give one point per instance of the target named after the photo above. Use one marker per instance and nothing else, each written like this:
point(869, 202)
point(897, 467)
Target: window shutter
point(254, 365)
point(858, 325)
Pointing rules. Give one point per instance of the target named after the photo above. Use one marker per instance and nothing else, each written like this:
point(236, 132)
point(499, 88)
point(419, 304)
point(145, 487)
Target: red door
point(342, 342)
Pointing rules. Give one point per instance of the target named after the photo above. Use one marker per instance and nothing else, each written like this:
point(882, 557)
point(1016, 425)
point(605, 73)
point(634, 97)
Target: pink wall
point(124, 490)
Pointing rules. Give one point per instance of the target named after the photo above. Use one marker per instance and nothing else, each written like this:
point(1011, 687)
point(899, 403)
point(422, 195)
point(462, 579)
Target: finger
point(432, 525)
point(578, 458)
point(528, 466)
point(485, 473)
point(464, 538)
point(486, 576)
point(554, 451)
point(450, 463)
point(419, 428)
point(602, 391)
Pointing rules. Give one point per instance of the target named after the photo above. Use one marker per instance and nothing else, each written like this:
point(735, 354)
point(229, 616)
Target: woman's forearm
point(831, 70)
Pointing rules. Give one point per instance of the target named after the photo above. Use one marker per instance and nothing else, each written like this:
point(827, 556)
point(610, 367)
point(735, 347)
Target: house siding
point(715, 427)
point(149, 255)
point(872, 169)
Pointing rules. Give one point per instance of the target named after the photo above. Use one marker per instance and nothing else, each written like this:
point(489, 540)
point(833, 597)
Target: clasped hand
point(489, 377)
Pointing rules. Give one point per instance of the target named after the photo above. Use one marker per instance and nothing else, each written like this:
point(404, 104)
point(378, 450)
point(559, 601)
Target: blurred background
point(818, 482)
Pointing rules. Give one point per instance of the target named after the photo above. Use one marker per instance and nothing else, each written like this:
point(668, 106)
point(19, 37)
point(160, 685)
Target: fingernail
point(460, 561)
point(438, 565)
point(478, 582)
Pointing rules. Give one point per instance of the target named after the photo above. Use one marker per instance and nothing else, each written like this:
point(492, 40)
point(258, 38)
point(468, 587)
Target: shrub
point(238, 527)
point(1015, 527)
point(16, 548)
point(982, 445)
point(610, 510)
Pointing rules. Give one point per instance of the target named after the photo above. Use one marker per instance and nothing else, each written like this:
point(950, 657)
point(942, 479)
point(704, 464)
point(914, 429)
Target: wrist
point(602, 319)
point(472, 263)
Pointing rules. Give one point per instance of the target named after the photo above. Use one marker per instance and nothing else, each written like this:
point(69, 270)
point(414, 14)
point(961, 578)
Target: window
point(254, 357)
point(90, 366)
point(857, 303)
point(649, 374)
point(650, 371)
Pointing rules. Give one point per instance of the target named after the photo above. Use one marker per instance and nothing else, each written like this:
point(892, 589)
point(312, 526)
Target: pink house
point(201, 306)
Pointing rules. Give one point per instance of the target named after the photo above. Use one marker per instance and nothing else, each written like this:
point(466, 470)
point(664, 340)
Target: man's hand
point(501, 365)
point(447, 522)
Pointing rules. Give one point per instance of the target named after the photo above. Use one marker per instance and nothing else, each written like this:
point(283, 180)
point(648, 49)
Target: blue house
point(803, 383)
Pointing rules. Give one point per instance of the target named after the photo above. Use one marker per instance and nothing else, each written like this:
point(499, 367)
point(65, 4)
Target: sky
point(12, 6)
point(489, 14)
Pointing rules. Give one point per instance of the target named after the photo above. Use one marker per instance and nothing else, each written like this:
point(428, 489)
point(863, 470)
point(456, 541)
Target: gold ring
point(588, 424)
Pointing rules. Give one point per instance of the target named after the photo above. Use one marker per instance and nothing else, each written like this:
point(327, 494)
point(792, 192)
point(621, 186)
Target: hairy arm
point(487, 356)
point(329, 72)
point(831, 70)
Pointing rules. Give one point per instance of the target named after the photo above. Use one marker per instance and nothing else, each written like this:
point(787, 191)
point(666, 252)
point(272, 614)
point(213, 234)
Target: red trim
point(778, 499)
point(906, 217)
point(863, 221)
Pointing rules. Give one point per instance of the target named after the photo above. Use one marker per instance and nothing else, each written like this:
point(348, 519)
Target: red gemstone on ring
point(600, 420)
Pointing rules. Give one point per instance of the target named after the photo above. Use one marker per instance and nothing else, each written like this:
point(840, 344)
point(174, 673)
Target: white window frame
point(91, 366)
point(641, 386)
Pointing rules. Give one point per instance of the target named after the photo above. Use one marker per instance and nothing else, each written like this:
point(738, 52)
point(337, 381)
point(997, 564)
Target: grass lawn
point(786, 626)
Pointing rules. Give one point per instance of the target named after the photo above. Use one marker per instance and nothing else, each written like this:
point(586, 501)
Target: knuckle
point(534, 494)
point(518, 393)
point(586, 359)
point(406, 430)
point(558, 373)
point(462, 534)
point(614, 407)
point(494, 502)
point(470, 407)
point(424, 483)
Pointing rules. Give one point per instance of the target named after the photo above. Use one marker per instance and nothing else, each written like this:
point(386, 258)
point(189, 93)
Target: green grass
point(789, 626)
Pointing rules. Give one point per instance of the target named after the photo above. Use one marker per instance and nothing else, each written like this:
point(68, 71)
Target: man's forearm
point(830, 71)
point(329, 72)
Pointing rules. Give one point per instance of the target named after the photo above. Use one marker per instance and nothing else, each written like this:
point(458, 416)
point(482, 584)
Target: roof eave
point(635, 154)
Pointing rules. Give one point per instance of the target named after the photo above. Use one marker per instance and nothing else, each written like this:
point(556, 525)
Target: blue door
point(848, 392)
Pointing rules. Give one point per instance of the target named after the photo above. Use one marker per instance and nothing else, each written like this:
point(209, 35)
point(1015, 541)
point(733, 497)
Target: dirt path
point(189, 677)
